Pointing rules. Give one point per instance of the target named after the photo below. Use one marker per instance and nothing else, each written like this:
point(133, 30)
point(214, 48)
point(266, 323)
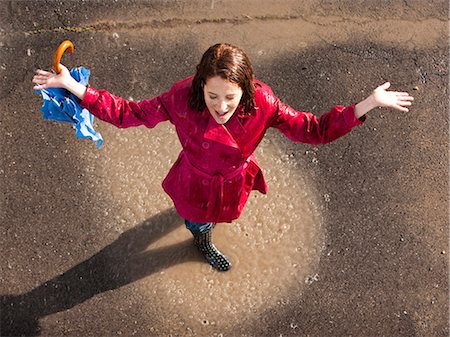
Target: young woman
point(220, 115)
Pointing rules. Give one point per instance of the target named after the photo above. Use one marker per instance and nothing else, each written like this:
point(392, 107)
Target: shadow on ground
point(124, 261)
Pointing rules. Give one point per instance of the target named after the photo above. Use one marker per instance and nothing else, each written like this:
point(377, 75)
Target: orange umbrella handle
point(61, 49)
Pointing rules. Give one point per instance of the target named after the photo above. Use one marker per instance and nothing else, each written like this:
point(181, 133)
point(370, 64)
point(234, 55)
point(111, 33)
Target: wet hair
point(230, 63)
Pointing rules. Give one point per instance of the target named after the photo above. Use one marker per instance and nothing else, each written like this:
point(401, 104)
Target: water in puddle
point(274, 246)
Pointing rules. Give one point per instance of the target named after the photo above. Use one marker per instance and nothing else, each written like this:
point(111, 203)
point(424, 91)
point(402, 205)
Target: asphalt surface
point(76, 221)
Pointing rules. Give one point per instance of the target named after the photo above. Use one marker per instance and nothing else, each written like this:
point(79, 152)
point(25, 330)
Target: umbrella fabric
point(62, 106)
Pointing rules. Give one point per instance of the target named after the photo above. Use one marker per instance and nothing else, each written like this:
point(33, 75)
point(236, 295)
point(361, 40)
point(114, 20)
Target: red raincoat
point(216, 170)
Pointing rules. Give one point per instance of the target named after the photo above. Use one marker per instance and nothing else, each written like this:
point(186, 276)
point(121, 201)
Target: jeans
point(198, 227)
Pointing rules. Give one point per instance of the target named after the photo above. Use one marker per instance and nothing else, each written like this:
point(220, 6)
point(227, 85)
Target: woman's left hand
point(391, 99)
point(381, 97)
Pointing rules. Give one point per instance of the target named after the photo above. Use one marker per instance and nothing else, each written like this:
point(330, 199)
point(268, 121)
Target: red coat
point(216, 170)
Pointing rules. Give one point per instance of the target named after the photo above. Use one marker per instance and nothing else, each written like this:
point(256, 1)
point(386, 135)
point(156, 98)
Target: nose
point(222, 106)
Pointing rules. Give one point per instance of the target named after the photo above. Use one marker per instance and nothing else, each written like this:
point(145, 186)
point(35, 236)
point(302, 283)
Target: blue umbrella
point(62, 106)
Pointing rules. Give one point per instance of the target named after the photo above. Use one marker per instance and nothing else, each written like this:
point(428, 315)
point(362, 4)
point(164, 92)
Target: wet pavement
point(352, 238)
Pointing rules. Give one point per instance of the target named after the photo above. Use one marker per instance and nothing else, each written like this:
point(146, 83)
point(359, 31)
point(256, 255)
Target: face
point(222, 97)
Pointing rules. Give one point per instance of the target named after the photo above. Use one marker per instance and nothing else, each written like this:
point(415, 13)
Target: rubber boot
point(214, 257)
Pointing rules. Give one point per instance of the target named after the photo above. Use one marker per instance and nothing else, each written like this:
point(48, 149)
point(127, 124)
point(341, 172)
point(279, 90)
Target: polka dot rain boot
point(214, 257)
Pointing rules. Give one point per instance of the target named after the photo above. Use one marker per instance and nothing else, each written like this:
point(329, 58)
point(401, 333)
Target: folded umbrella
point(63, 106)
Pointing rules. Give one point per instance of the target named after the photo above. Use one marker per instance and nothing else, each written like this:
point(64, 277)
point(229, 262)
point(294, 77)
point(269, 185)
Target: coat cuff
point(90, 96)
point(350, 118)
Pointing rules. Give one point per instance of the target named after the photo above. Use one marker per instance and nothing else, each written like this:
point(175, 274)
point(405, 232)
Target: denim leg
point(198, 227)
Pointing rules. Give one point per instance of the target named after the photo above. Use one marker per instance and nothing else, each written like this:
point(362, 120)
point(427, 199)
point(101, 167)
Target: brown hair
point(232, 64)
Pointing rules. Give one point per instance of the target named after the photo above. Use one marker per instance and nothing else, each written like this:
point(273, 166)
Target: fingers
point(405, 97)
point(37, 81)
point(41, 76)
point(405, 100)
point(401, 94)
point(44, 73)
point(402, 105)
point(40, 84)
point(40, 79)
point(39, 87)
point(400, 108)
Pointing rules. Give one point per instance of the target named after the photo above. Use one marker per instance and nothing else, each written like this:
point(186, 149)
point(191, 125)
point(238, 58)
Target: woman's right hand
point(45, 79)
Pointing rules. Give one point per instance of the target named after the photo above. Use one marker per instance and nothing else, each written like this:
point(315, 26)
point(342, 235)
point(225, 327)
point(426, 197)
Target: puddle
point(274, 246)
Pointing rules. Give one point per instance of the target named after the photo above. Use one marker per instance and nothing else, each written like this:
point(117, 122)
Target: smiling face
point(222, 97)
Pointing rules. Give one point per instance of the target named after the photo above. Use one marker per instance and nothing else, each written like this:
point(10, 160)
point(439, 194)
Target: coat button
point(205, 145)
point(205, 182)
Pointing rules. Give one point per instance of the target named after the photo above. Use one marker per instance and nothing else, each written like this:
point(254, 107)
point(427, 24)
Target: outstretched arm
point(45, 80)
point(102, 104)
point(306, 127)
point(380, 97)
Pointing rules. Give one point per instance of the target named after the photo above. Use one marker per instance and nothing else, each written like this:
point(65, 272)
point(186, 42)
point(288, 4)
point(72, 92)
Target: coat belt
point(216, 186)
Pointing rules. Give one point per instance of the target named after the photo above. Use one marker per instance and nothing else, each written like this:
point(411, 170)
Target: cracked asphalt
point(352, 239)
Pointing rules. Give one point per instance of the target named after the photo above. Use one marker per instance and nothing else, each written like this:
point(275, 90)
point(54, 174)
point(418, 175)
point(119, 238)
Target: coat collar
point(228, 134)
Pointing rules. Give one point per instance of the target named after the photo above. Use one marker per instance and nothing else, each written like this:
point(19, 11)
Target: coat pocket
point(245, 185)
point(249, 175)
point(186, 185)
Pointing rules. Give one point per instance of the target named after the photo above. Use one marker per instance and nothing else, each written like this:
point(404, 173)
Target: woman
point(220, 115)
